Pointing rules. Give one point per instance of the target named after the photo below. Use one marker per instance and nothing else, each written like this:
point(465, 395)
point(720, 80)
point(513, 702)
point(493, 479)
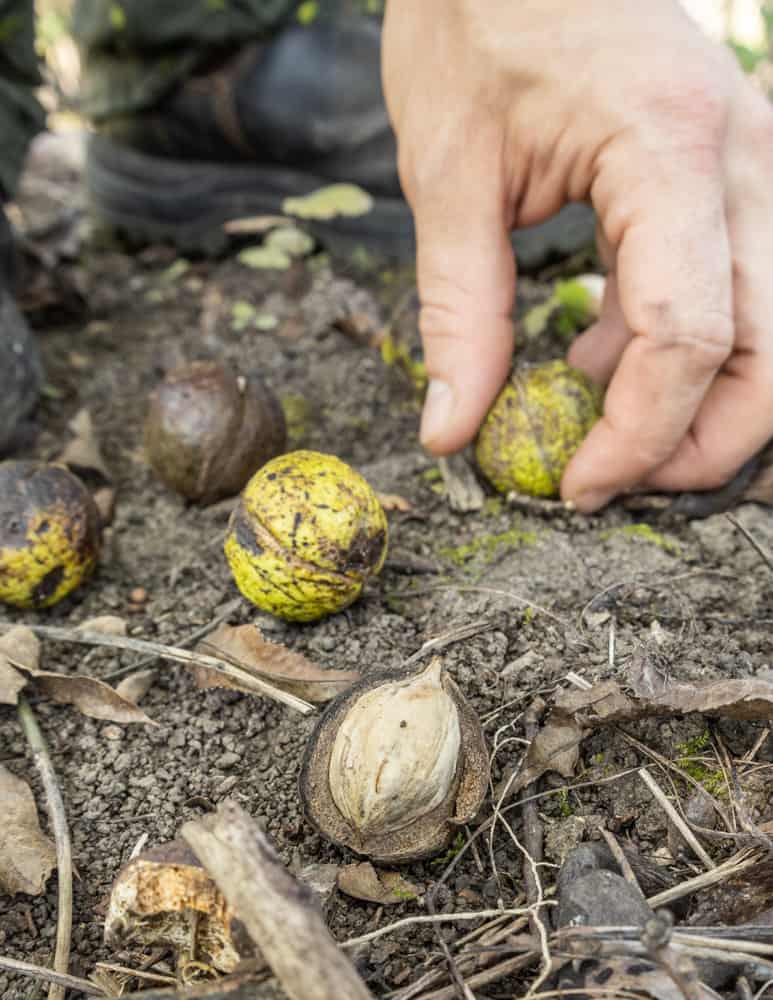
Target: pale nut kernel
point(395, 755)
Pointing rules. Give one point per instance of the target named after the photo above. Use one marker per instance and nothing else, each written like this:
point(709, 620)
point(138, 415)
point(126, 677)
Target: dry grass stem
point(39, 972)
point(174, 653)
point(733, 866)
point(58, 820)
point(438, 918)
point(675, 818)
point(751, 540)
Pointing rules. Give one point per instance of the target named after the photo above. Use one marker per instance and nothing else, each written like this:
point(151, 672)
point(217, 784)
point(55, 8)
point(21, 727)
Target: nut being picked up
point(395, 765)
point(164, 898)
point(208, 430)
point(537, 422)
point(305, 536)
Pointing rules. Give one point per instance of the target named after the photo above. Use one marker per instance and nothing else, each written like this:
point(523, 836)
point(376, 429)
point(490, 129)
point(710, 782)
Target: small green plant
point(453, 850)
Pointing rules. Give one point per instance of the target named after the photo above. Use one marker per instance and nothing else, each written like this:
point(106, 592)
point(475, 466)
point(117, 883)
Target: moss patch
point(487, 545)
point(646, 533)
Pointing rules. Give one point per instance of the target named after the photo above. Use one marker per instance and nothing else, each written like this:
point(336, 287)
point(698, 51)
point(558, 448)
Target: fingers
point(466, 280)
point(598, 350)
point(674, 286)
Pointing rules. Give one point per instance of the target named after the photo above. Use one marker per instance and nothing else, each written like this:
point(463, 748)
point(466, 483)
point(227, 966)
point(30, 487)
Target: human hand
point(505, 111)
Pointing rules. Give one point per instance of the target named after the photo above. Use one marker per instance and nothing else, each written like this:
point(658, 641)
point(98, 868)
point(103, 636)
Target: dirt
point(546, 590)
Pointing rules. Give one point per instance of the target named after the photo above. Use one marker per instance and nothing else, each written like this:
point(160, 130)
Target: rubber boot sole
point(152, 199)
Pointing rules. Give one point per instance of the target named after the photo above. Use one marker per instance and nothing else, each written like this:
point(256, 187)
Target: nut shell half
point(208, 430)
point(49, 533)
point(431, 832)
point(537, 422)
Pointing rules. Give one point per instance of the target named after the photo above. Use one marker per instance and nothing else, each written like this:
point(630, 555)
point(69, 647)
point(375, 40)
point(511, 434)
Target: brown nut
point(164, 898)
point(208, 430)
point(395, 765)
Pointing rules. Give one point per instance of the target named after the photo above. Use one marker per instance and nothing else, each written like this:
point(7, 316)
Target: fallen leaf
point(106, 624)
point(265, 258)
point(556, 747)
point(244, 646)
point(18, 646)
point(254, 224)
point(290, 240)
point(27, 856)
point(386, 888)
point(393, 501)
point(330, 202)
point(83, 454)
point(134, 687)
point(90, 696)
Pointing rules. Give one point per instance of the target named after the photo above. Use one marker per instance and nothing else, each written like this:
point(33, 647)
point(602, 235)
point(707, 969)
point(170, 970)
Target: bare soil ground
point(546, 590)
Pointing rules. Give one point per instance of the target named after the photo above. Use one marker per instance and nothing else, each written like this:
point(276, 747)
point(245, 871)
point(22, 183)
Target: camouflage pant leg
point(20, 114)
point(134, 52)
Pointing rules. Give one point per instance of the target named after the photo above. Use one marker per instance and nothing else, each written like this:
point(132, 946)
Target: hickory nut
point(395, 765)
point(306, 534)
point(208, 430)
point(535, 425)
point(49, 533)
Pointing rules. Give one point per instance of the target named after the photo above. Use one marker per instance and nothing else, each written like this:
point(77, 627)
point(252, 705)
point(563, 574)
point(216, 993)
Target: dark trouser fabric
point(134, 52)
point(20, 114)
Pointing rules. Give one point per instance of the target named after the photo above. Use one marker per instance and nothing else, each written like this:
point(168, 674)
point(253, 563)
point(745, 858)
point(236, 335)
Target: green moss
point(564, 805)
point(307, 12)
point(451, 853)
point(433, 475)
point(297, 412)
point(117, 17)
point(689, 752)
point(242, 315)
point(397, 354)
point(646, 533)
point(487, 545)
point(493, 506)
point(529, 616)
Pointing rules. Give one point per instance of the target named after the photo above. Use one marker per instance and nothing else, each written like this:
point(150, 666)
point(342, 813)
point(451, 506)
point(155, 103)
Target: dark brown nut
point(208, 430)
point(49, 533)
point(396, 765)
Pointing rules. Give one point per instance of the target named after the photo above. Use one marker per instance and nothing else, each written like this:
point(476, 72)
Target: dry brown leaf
point(393, 501)
point(363, 881)
point(20, 645)
point(244, 646)
point(136, 686)
point(90, 696)
point(575, 713)
point(27, 856)
point(83, 454)
point(105, 624)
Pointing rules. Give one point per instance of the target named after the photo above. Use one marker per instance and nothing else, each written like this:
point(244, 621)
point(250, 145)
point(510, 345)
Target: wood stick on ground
point(747, 858)
point(49, 975)
point(676, 819)
point(490, 975)
point(174, 653)
point(186, 643)
point(751, 540)
point(58, 820)
point(277, 912)
point(619, 855)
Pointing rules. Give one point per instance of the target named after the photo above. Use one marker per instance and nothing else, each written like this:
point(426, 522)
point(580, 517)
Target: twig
point(622, 861)
point(490, 975)
point(471, 589)
point(675, 818)
point(174, 653)
point(737, 863)
point(58, 820)
point(50, 976)
point(186, 643)
point(438, 918)
point(276, 911)
point(751, 540)
point(456, 634)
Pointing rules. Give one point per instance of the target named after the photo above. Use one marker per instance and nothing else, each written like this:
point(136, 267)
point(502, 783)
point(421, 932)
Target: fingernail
point(591, 501)
point(438, 407)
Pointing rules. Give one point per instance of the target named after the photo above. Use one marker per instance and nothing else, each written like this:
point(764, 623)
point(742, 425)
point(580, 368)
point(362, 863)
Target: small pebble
point(138, 595)
point(112, 732)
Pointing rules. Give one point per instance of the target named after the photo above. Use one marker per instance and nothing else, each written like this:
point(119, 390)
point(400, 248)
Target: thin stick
point(58, 820)
point(675, 818)
point(490, 975)
point(50, 976)
point(751, 540)
point(469, 589)
point(174, 653)
point(438, 918)
point(186, 643)
point(738, 863)
point(619, 855)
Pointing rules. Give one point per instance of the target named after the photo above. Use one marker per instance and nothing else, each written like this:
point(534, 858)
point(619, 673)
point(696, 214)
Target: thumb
point(466, 280)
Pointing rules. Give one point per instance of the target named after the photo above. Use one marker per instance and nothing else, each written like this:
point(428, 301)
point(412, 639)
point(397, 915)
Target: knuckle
point(706, 338)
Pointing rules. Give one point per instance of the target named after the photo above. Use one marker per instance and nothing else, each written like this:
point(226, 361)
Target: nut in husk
point(208, 430)
point(49, 533)
point(535, 425)
point(164, 898)
point(395, 765)
point(306, 534)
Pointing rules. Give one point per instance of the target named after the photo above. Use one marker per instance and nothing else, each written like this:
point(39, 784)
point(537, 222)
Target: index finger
point(675, 285)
